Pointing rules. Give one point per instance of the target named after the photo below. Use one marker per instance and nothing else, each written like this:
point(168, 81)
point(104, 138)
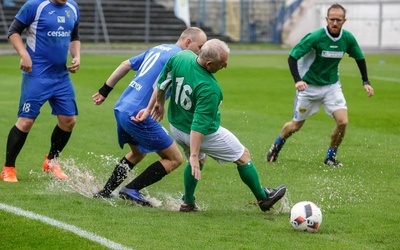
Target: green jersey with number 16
point(195, 94)
point(319, 55)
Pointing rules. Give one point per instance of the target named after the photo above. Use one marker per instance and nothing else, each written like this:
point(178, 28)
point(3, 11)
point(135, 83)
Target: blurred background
point(375, 23)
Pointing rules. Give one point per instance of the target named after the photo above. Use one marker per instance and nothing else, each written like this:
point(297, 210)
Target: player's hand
point(157, 113)
point(141, 115)
point(301, 85)
point(369, 89)
point(98, 98)
point(75, 63)
point(25, 63)
point(194, 163)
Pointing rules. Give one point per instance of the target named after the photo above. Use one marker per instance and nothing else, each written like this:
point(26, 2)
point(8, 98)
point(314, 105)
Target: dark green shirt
point(195, 94)
point(319, 55)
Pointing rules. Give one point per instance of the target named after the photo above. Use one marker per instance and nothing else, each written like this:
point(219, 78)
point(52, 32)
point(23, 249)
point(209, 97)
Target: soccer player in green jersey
point(313, 63)
point(194, 118)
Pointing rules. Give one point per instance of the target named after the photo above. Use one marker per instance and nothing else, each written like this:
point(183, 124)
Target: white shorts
point(308, 102)
point(222, 145)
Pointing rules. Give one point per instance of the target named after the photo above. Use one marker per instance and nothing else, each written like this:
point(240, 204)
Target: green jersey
point(195, 94)
point(319, 55)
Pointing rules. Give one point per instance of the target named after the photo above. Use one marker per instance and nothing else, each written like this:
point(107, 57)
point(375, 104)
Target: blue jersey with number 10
point(148, 66)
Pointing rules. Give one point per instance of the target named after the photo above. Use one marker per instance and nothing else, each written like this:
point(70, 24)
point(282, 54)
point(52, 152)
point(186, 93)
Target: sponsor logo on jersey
point(135, 85)
point(161, 47)
point(60, 32)
point(332, 54)
point(51, 12)
point(61, 19)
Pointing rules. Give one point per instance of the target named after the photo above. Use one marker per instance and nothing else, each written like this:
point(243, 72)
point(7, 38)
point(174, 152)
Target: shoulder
point(72, 2)
point(32, 4)
point(316, 34)
point(166, 49)
point(313, 36)
point(208, 81)
point(35, 2)
point(348, 38)
point(29, 10)
point(187, 53)
point(184, 55)
point(347, 33)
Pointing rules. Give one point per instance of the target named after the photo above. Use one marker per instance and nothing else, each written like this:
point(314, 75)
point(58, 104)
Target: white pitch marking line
point(80, 232)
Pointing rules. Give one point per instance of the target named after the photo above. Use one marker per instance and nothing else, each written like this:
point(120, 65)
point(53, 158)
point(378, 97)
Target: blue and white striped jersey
point(48, 35)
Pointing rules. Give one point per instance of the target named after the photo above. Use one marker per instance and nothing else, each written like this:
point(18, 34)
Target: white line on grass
point(80, 232)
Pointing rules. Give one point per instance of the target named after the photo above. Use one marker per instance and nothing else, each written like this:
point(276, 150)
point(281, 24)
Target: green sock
point(249, 175)
point(190, 184)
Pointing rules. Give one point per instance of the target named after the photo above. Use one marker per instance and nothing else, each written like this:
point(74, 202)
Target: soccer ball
point(306, 216)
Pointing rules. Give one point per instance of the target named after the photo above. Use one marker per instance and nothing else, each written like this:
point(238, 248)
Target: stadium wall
point(375, 24)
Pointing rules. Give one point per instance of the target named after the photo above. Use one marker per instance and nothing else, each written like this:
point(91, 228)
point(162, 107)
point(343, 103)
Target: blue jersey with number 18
point(148, 66)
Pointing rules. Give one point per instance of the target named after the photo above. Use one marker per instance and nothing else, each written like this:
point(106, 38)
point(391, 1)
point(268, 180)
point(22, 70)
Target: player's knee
point(25, 124)
point(67, 123)
point(342, 122)
point(177, 161)
point(174, 160)
point(245, 158)
point(171, 165)
point(246, 153)
point(71, 122)
point(291, 127)
point(296, 126)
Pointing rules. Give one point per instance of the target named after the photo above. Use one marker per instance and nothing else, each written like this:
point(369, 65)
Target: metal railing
point(3, 22)
point(99, 19)
point(375, 23)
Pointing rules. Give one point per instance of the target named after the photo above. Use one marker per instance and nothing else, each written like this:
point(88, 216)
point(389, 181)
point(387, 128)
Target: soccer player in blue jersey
point(149, 135)
point(314, 64)
point(52, 29)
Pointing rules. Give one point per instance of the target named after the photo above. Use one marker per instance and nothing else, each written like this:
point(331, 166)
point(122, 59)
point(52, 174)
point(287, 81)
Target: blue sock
point(331, 153)
point(279, 141)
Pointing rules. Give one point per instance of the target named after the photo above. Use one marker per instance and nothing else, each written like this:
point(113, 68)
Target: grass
point(359, 202)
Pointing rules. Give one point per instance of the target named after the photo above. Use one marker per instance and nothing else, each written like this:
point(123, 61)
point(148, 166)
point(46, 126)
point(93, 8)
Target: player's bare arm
point(26, 61)
point(158, 110)
point(113, 79)
point(195, 141)
point(75, 48)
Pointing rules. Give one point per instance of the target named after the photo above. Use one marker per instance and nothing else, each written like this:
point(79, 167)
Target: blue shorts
point(148, 136)
point(35, 91)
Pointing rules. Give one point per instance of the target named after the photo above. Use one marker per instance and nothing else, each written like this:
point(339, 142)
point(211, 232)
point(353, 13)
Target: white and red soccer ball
point(306, 216)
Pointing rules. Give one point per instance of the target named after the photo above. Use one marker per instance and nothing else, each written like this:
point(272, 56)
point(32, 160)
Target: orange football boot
point(52, 166)
point(9, 174)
